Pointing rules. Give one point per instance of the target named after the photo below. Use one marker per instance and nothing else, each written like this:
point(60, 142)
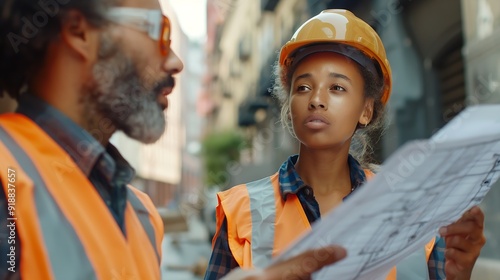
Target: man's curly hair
point(26, 29)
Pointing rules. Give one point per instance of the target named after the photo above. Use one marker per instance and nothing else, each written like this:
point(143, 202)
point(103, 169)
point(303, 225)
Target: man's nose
point(173, 63)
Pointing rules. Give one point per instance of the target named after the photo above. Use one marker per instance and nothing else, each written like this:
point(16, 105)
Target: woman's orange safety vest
point(259, 225)
point(65, 228)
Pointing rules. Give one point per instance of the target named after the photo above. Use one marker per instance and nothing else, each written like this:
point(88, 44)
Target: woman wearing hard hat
point(333, 80)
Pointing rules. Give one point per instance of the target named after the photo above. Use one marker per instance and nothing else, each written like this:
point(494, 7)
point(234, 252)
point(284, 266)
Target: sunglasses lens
point(165, 37)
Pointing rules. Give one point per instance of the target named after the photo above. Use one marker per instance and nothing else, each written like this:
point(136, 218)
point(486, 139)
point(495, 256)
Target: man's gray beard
point(117, 93)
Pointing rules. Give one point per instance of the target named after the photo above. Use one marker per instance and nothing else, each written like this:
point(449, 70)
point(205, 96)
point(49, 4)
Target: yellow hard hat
point(351, 37)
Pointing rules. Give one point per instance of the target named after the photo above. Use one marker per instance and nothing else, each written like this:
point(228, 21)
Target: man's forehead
point(162, 5)
point(146, 4)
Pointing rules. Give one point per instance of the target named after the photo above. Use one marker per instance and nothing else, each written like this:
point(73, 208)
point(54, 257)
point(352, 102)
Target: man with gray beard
point(121, 96)
point(81, 70)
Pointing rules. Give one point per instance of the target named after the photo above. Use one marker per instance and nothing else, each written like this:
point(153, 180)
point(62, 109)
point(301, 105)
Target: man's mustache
point(169, 82)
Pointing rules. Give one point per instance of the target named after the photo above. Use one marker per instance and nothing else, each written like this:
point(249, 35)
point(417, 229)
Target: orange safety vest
point(65, 228)
point(258, 226)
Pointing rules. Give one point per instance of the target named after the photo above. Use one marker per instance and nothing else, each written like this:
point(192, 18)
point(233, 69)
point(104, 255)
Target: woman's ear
point(367, 114)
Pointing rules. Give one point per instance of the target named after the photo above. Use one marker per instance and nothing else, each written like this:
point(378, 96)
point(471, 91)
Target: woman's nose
point(317, 101)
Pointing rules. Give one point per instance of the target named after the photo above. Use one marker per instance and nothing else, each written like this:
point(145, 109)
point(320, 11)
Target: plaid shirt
point(222, 260)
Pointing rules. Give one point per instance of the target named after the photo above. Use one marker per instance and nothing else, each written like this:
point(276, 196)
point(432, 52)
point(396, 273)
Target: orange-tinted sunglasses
point(151, 21)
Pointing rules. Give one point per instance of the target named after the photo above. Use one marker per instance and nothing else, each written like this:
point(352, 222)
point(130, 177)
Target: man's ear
point(79, 35)
point(367, 114)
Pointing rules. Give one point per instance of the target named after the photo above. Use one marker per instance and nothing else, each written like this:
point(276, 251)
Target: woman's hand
point(464, 241)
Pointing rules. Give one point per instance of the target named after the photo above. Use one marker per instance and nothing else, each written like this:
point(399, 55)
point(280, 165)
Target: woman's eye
point(302, 88)
point(337, 88)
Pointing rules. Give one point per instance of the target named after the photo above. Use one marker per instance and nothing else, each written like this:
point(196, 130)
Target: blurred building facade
point(481, 56)
point(444, 57)
point(243, 39)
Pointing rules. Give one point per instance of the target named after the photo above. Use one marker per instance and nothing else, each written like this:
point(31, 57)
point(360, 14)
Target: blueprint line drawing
point(424, 185)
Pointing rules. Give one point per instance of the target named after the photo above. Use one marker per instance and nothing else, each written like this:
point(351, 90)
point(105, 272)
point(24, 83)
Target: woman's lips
point(316, 122)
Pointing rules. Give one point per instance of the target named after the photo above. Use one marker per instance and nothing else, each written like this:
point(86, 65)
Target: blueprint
point(424, 185)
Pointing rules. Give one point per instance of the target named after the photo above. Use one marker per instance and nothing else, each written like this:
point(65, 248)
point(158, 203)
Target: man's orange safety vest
point(65, 228)
point(260, 225)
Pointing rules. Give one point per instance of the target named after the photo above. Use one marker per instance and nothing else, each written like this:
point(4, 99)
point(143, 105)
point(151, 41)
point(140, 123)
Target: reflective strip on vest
point(143, 215)
point(263, 212)
point(64, 249)
point(413, 267)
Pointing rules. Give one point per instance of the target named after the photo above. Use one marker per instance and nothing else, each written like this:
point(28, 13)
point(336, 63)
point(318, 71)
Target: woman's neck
point(324, 171)
point(327, 173)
